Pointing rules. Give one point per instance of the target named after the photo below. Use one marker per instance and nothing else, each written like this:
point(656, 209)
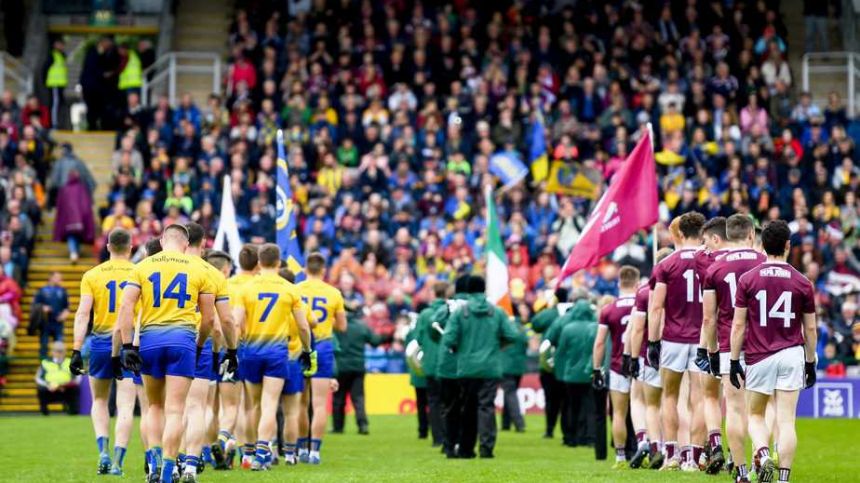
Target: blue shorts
point(101, 367)
point(295, 382)
point(252, 368)
point(137, 378)
point(204, 369)
point(325, 359)
point(168, 361)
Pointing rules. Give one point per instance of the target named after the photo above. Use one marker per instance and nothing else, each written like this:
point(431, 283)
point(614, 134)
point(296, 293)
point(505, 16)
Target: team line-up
point(723, 316)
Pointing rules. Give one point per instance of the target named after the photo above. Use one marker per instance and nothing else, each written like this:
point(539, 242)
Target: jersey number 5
point(318, 306)
point(177, 289)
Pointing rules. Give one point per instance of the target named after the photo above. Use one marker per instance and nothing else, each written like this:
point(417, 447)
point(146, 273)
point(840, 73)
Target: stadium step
point(208, 24)
point(94, 148)
point(19, 393)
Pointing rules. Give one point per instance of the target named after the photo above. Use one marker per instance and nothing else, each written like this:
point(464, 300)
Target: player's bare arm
point(304, 327)
point(227, 324)
point(739, 327)
point(206, 301)
point(125, 317)
point(810, 336)
point(82, 320)
point(708, 338)
point(655, 311)
point(340, 321)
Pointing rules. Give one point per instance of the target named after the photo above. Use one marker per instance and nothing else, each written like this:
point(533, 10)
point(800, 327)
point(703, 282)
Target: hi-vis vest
point(131, 76)
point(58, 75)
point(58, 374)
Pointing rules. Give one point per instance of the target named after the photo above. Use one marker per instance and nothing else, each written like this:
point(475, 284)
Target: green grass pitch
point(61, 449)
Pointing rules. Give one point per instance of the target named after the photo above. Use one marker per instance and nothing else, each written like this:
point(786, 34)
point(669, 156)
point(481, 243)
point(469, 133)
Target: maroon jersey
point(722, 278)
point(704, 259)
point(642, 306)
point(615, 316)
point(683, 306)
point(776, 296)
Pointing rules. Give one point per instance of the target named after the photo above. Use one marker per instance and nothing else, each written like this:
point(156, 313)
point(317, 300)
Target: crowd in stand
point(391, 112)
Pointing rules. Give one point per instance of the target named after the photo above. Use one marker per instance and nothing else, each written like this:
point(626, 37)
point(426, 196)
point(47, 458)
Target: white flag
point(228, 232)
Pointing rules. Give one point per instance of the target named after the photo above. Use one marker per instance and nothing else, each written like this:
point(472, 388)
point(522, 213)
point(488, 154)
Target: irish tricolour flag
point(497, 261)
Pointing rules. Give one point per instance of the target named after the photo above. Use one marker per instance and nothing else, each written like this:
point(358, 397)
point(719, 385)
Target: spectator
point(55, 383)
point(74, 223)
point(53, 301)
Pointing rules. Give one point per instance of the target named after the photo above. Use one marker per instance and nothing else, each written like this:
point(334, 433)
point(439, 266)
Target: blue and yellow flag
point(538, 160)
point(286, 221)
point(571, 179)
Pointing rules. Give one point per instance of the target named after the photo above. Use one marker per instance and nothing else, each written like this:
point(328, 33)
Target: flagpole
point(654, 242)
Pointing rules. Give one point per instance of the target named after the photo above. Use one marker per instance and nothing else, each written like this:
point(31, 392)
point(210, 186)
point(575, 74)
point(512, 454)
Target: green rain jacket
point(446, 367)
point(476, 333)
point(573, 337)
point(350, 357)
point(423, 334)
point(514, 355)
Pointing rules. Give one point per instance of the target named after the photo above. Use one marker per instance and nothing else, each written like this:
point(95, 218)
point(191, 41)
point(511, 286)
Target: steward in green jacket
point(513, 367)
point(350, 370)
point(573, 337)
point(430, 363)
point(553, 390)
point(450, 390)
point(476, 332)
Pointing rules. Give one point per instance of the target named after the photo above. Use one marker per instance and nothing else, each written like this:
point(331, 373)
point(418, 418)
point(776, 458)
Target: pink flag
point(628, 205)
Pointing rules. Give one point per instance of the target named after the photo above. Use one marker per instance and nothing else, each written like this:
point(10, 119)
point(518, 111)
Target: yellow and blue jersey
point(295, 344)
point(235, 285)
point(269, 301)
point(325, 302)
point(170, 283)
point(104, 283)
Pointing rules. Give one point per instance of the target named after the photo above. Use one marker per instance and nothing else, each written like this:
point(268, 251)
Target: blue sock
point(157, 455)
point(103, 442)
point(180, 460)
point(148, 455)
point(207, 454)
point(289, 449)
point(224, 436)
point(191, 461)
point(118, 456)
point(167, 470)
point(316, 444)
point(302, 444)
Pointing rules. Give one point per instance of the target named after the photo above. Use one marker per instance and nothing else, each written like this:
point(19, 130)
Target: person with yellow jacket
point(130, 72)
point(55, 382)
point(56, 78)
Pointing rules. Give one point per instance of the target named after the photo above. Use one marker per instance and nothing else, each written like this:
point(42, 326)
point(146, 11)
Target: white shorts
point(678, 357)
point(618, 383)
point(726, 362)
point(782, 371)
point(649, 375)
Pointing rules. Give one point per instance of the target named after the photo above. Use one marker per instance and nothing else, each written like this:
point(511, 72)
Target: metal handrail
point(168, 66)
point(18, 72)
point(849, 64)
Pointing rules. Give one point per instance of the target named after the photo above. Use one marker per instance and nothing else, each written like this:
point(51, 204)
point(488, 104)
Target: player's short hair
point(774, 236)
point(176, 230)
point(287, 275)
point(440, 289)
point(691, 224)
point(196, 234)
point(628, 276)
point(461, 284)
point(152, 247)
point(476, 284)
point(674, 227)
point(270, 255)
point(716, 226)
point(249, 257)
point(119, 240)
point(315, 264)
point(738, 227)
point(561, 294)
point(662, 254)
point(219, 259)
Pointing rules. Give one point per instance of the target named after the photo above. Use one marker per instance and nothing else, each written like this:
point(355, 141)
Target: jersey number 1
point(112, 289)
point(177, 290)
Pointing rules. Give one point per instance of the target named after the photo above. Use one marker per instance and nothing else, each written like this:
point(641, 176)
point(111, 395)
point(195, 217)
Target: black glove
point(715, 363)
point(130, 358)
point(736, 373)
point(634, 367)
point(231, 362)
point(216, 363)
point(625, 365)
point(597, 381)
point(76, 365)
point(654, 354)
point(197, 354)
point(702, 361)
point(116, 367)
point(811, 375)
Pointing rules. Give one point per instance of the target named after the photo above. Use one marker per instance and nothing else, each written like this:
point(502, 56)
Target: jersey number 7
point(177, 289)
point(272, 299)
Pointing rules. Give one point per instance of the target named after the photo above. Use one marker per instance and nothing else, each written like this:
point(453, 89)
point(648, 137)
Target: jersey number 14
point(177, 290)
point(780, 310)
